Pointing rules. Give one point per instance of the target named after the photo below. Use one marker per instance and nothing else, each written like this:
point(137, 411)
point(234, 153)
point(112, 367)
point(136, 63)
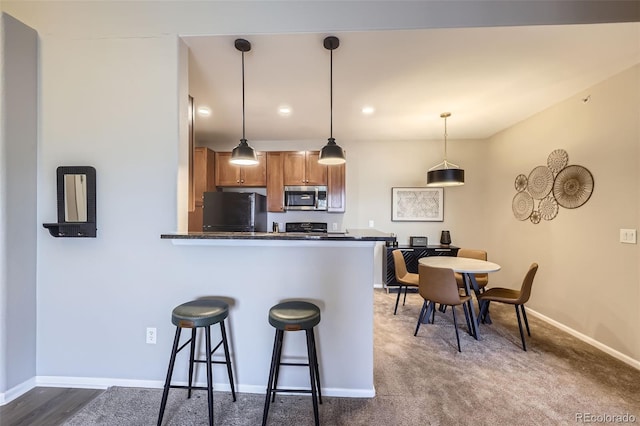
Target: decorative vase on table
point(445, 238)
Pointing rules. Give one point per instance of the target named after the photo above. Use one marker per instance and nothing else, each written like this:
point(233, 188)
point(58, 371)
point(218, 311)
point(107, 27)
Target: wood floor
point(44, 406)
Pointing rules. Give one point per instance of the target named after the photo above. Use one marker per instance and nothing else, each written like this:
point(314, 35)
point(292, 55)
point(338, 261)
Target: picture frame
point(417, 204)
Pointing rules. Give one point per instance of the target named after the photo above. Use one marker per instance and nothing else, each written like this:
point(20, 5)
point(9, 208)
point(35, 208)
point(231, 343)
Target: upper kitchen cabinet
point(228, 174)
point(203, 181)
point(302, 168)
point(275, 181)
point(336, 188)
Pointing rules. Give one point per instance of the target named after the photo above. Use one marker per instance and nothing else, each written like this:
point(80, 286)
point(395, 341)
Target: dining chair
point(404, 278)
point(481, 279)
point(511, 297)
point(438, 285)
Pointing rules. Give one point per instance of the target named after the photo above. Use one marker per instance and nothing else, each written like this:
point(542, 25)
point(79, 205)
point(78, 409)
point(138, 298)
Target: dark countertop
point(349, 235)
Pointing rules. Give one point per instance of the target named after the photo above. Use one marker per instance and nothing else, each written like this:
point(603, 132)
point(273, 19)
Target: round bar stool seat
point(201, 313)
point(294, 315)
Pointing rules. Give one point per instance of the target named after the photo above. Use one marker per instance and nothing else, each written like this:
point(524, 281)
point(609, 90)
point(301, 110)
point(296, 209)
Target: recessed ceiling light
point(368, 110)
point(204, 111)
point(284, 110)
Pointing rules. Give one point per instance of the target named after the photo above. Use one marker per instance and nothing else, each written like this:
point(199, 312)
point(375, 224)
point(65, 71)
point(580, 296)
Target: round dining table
point(468, 268)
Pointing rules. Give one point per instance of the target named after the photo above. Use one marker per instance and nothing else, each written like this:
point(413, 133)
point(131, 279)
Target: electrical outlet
point(370, 223)
point(334, 226)
point(151, 335)
point(628, 236)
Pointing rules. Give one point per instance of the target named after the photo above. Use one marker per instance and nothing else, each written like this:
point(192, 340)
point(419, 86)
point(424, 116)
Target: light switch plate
point(628, 236)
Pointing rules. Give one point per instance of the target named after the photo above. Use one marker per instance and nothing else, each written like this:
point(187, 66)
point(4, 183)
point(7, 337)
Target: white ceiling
point(488, 78)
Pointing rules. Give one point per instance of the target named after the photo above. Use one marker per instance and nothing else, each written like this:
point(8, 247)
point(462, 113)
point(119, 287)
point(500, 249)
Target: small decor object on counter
point(276, 227)
point(558, 184)
point(418, 241)
point(445, 238)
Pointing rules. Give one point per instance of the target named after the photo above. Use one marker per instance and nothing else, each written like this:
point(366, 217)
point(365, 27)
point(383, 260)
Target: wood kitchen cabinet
point(336, 188)
point(302, 168)
point(203, 181)
point(275, 181)
point(228, 174)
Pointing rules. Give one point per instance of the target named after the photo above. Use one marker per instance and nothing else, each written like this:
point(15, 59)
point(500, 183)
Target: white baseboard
point(16, 391)
point(604, 348)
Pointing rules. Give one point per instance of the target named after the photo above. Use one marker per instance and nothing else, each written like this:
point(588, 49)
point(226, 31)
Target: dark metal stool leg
point(314, 396)
point(315, 365)
point(191, 359)
point(207, 331)
point(228, 359)
point(274, 360)
point(172, 361)
point(278, 362)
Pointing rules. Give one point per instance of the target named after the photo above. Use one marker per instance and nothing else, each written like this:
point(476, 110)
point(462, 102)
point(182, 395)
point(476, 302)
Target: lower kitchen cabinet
point(411, 256)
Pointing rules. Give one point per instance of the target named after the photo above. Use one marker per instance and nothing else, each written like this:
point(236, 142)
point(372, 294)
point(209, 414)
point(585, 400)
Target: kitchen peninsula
point(255, 271)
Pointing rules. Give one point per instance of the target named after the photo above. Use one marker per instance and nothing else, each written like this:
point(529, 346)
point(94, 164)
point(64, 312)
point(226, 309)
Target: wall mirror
point(76, 190)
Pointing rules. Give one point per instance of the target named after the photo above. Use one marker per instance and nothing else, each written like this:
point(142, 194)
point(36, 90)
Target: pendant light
point(445, 173)
point(331, 153)
point(243, 154)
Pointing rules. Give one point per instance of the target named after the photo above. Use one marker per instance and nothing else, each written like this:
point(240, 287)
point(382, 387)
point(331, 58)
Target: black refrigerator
point(234, 212)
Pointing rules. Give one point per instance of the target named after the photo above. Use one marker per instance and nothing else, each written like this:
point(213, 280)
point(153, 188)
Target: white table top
point(460, 264)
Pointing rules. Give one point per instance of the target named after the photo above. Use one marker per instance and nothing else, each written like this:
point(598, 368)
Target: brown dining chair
point(481, 279)
point(403, 277)
point(438, 285)
point(511, 297)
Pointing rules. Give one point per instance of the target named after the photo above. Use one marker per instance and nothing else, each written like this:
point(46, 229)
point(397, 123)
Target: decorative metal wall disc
point(548, 207)
point(535, 216)
point(558, 160)
point(573, 186)
point(540, 182)
point(522, 205)
point(521, 183)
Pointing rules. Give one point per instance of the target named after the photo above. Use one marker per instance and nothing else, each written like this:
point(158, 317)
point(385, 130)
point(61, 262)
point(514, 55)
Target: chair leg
point(466, 318)
point(167, 382)
point(455, 326)
point(397, 299)
point(423, 312)
point(207, 331)
point(524, 315)
point(484, 308)
point(227, 358)
point(192, 354)
point(315, 365)
point(274, 360)
point(524, 346)
point(404, 301)
point(278, 360)
point(312, 376)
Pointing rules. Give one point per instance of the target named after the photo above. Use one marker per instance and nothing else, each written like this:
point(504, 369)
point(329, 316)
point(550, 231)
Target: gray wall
point(18, 191)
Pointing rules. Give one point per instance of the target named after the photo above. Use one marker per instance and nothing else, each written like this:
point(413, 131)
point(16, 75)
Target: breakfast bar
point(255, 270)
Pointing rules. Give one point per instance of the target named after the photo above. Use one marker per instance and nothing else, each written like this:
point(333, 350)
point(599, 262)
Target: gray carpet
point(424, 380)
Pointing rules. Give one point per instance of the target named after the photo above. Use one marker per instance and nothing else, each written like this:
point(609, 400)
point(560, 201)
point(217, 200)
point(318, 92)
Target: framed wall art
point(417, 204)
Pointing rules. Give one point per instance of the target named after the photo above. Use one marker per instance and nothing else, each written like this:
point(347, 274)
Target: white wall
point(18, 226)
point(109, 97)
point(587, 281)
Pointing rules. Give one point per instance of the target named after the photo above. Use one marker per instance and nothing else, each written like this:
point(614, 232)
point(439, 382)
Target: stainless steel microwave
point(305, 198)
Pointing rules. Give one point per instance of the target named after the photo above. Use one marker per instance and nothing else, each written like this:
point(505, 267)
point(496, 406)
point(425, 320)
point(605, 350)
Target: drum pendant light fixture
point(243, 154)
point(331, 153)
point(445, 173)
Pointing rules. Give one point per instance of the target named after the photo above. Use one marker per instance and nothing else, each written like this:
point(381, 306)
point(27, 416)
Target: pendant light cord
point(331, 96)
point(243, 95)
point(445, 140)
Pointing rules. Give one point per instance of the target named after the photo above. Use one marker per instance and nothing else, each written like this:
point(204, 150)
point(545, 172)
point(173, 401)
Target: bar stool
point(196, 314)
point(294, 316)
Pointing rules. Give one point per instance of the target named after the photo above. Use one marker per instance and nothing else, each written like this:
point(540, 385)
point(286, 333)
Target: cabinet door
point(227, 174)
point(316, 173)
point(294, 168)
point(275, 182)
point(255, 175)
point(203, 181)
point(336, 193)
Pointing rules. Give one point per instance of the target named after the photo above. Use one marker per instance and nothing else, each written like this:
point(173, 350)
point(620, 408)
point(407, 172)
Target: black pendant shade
point(243, 154)
point(445, 173)
point(331, 153)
